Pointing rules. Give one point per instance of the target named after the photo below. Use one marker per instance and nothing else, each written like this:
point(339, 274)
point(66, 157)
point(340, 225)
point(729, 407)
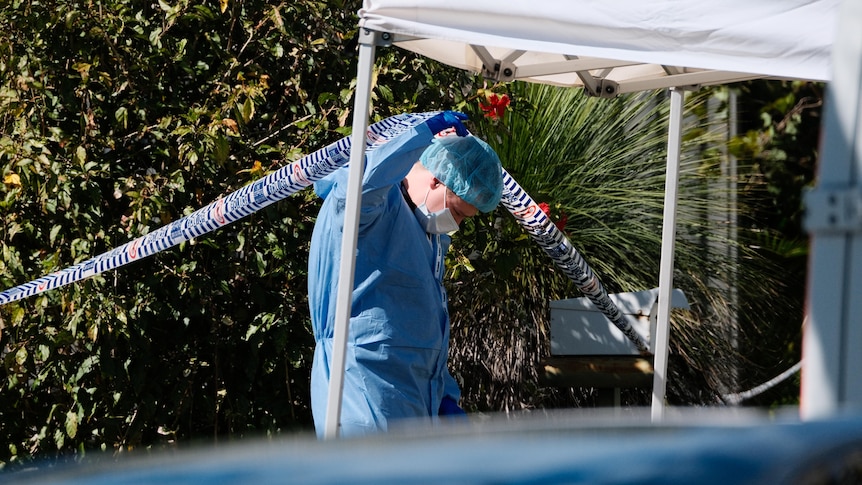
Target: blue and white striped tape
point(546, 234)
point(247, 200)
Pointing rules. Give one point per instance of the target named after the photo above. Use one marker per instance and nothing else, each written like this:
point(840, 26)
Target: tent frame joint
point(500, 71)
point(601, 88)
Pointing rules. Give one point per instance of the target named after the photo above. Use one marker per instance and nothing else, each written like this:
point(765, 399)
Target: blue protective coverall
point(396, 361)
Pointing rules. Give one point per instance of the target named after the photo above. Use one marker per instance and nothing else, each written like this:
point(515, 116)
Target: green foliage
point(118, 117)
point(779, 132)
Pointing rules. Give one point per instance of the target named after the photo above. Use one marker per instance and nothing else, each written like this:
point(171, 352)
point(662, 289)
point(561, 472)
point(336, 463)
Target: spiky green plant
point(601, 164)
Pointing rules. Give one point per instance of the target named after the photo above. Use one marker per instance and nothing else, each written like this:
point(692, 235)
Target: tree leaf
point(81, 155)
point(72, 421)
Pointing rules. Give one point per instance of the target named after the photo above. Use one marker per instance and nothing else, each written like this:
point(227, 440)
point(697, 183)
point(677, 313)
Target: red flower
point(561, 224)
point(497, 107)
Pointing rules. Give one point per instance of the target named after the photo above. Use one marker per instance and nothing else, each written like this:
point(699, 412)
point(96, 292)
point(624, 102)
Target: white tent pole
point(668, 240)
point(832, 332)
point(347, 268)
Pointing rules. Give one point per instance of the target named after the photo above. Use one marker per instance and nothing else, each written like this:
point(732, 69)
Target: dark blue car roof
point(702, 447)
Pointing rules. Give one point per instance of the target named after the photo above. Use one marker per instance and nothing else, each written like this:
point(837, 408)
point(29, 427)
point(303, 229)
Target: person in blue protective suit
point(416, 188)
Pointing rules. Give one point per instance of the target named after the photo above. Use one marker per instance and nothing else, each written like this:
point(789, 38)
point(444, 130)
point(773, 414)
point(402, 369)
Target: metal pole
point(668, 240)
point(733, 233)
point(351, 235)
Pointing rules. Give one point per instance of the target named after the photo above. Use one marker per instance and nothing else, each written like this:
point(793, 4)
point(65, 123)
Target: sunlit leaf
point(72, 424)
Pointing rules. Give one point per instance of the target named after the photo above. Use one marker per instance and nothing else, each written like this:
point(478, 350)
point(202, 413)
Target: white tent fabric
point(608, 48)
point(639, 45)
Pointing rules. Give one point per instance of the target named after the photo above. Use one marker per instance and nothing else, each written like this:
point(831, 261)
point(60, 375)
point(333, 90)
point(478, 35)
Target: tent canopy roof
point(616, 47)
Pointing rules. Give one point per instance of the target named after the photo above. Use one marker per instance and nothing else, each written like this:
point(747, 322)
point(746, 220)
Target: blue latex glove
point(448, 407)
point(448, 119)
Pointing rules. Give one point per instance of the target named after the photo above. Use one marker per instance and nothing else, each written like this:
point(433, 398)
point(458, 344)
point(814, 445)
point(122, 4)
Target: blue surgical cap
point(469, 167)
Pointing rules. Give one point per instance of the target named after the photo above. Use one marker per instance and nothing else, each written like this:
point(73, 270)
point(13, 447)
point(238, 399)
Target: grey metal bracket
point(381, 39)
point(499, 71)
point(833, 210)
point(607, 88)
point(599, 87)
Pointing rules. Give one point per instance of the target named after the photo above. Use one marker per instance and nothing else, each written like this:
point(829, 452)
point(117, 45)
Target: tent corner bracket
point(602, 88)
point(500, 71)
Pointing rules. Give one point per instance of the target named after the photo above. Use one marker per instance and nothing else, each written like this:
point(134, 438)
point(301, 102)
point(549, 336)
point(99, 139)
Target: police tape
point(270, 189)
point(555, 243)
point(300, 174)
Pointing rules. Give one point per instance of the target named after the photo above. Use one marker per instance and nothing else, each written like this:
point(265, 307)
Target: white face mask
point(440, 222)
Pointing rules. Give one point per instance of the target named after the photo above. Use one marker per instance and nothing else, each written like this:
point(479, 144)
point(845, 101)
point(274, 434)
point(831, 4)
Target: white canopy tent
point(606, 48)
